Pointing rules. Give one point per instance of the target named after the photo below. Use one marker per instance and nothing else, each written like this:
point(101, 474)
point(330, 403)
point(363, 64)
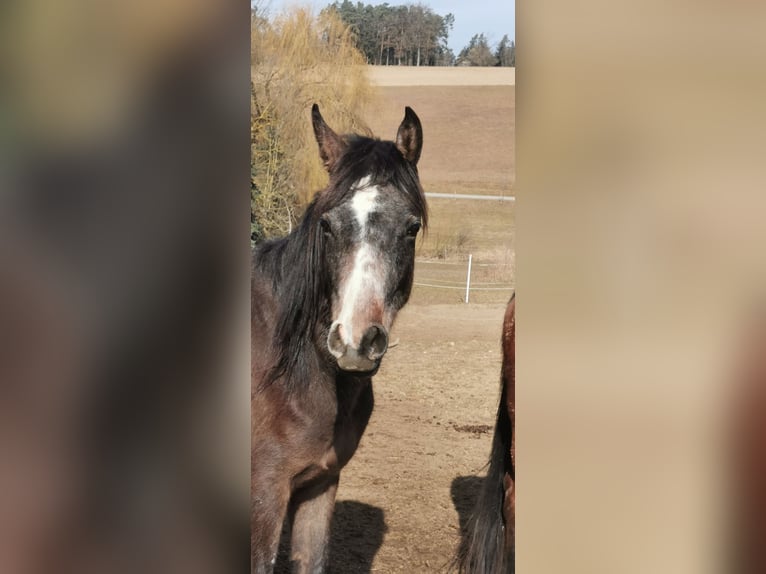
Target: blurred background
point(640, 281)
point(124, 265)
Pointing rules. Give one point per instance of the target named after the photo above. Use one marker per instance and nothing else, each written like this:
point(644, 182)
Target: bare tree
point(298, 59)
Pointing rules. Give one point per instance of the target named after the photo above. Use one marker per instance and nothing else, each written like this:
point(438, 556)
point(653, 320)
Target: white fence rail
point(471, 196)
point(467, 285)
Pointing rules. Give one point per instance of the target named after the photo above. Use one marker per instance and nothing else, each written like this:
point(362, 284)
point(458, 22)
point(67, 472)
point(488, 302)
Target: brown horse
point(488, 544)
point(748, 451)
point(323, 301)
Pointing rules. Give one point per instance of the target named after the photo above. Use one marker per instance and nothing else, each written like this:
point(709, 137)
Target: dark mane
point(296, 263)
point(295, 266)
point(380, 160)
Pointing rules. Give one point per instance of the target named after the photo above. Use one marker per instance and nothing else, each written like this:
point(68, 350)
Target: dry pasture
point(468, 134)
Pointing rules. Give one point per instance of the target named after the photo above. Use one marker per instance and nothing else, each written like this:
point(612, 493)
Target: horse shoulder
point(335, 434)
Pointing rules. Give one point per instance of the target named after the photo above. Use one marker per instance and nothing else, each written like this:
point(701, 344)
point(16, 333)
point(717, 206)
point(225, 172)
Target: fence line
point(472, 196)
point(462, 288)
point(466, 285)
point(481, 284)
point(461, 263)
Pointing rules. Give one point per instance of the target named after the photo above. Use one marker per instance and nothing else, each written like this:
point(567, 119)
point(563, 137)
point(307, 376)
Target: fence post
point(468, 278)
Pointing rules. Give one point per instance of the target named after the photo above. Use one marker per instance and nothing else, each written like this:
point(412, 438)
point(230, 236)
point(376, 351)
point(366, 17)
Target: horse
point(488, 544)
point(323, 301)
point(746, 449)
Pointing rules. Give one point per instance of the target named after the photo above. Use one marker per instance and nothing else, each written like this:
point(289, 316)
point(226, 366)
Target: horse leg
point(311, 528)
point(269, 508)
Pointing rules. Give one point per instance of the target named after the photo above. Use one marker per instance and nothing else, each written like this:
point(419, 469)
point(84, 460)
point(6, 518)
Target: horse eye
point(413, 229)
point(325, 225)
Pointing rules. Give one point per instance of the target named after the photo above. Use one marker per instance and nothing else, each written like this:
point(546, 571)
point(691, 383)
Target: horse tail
point(487, 545)
point(482, 549)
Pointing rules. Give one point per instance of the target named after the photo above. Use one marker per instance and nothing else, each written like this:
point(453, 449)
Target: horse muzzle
point(362, 359)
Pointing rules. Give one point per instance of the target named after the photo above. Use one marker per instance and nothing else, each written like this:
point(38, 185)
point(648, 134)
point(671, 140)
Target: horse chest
point(343, 432)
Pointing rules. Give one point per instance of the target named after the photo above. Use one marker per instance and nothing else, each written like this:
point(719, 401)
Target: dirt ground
point(415, 476)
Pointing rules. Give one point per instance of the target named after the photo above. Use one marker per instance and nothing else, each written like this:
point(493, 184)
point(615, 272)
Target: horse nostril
point(335, 341)
point(375, 342)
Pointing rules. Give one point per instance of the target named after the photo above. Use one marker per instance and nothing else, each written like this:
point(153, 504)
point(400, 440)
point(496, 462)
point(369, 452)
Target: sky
point(494, 18)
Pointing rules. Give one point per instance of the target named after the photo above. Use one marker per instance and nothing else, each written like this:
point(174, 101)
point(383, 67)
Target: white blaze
point(364, 281)
point(364, 201)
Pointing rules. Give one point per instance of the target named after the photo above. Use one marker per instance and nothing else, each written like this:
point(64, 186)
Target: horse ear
point(409, 138)
point(330, 144)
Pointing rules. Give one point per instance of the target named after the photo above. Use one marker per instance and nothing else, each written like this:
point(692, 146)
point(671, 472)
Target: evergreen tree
point(505, 54)
point(477, 53)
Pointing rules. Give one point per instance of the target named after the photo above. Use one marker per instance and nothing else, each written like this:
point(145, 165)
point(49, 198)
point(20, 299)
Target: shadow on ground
point(356, 536)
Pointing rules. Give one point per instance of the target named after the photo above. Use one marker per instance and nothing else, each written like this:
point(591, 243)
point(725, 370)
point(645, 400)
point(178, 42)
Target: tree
point(298, 59)
point(477, 53)
point(408, 35)
point(505, 54)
